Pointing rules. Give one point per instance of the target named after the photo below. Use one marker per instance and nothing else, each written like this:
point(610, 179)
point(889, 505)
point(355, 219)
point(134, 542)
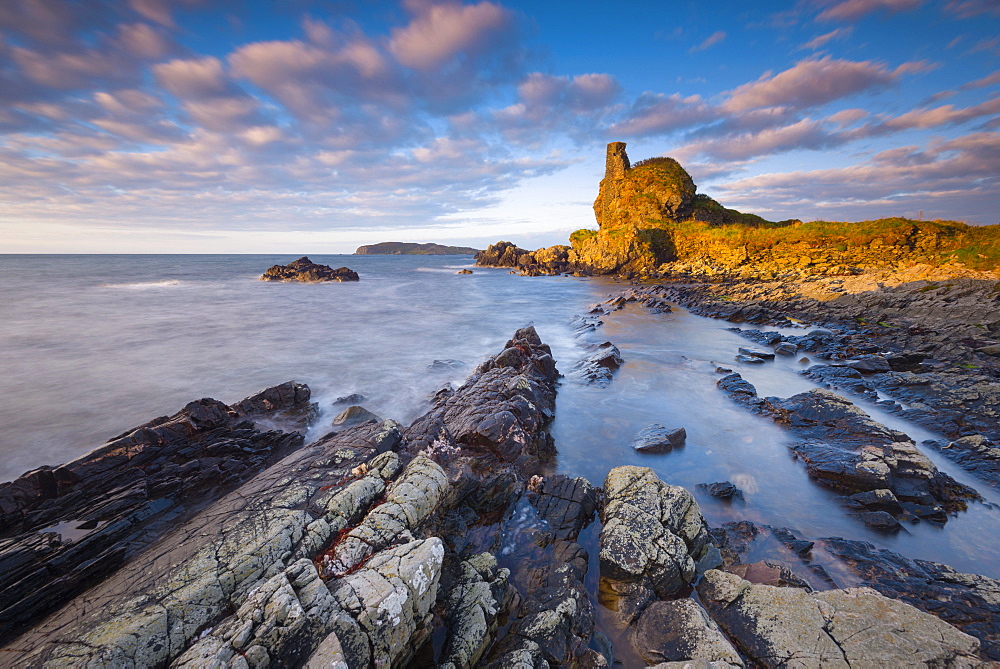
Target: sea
point(93, 345)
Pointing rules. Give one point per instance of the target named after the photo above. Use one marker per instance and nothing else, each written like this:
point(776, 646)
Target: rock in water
point(656, 438)
point(307, 271)
point(354, 415)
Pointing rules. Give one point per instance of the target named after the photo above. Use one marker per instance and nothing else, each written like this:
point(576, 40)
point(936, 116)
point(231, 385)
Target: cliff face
point(652, 222)
point(634, 208)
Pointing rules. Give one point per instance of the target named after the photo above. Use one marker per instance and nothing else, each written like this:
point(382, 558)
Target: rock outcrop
point(653, 535)
point(306, 271)
point(782, 626)
point(885, 474)
point(63, 528)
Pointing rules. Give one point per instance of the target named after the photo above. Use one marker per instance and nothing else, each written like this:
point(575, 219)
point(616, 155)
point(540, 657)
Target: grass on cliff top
point(977, 247)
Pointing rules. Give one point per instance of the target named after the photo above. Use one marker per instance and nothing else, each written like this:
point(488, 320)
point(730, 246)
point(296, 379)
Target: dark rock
point(566, 504)
point(723, 490)
point(464, 271)
point(869, 364)
point(354, 415)
point(754, 353)
point(880, 520)
point(768, 573)
point(353, 398)
point(749, 359)
point(598, 367)
point(975, 453)
point(786, 348)
point(307, 271)
point(501, 254)
point(656, 438)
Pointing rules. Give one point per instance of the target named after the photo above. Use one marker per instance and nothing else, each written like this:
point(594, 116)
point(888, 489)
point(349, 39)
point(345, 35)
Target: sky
point(295, 126)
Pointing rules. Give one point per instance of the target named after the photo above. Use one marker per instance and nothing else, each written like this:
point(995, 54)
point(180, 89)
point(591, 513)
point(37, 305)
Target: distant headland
point(413, 249)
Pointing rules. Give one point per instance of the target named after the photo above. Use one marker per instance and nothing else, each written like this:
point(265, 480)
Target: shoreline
point(505, 469)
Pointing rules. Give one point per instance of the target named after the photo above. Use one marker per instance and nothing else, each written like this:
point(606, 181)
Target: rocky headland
point(306, 271)
point(413, 249)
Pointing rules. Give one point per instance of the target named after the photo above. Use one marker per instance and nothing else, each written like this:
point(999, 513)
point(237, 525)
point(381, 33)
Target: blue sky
point(264, 126)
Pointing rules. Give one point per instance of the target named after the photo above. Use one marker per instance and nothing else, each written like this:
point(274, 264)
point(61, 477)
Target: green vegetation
point(413, 249)
point(708, 210)
point(580, 236)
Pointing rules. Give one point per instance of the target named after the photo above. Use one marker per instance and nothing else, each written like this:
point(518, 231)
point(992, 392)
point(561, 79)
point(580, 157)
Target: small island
point(307, 271)
point(413, 249)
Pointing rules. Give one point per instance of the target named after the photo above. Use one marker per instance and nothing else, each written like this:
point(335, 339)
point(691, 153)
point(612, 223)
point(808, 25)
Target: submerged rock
point(307, 271)
point(599, 366)
point(656, 438)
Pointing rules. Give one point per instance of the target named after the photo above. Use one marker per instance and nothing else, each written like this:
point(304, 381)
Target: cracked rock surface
point(652, 537)
point(777, 626)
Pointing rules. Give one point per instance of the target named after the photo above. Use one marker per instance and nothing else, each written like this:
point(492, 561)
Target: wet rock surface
point(681, 631)
point(656, 438)
point(970, 602)
point(63, 528)
point(844, 449)
point(598, 367)
point(306, 271)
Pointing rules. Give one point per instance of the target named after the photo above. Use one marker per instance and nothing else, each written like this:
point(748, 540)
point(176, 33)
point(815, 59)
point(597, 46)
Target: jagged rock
point(749, 359)
point(786, 348)
point(723, 490)
point(974, 453)
point(306, 270)
point(407, 503)
point(779, 626)
point(681, 631)
point(752, 352)
point(353, 398)
point(63, 528)
point(475, 600)
point(391, 598)
point(501, 409)
point(656, 438)
point(843, 448)
point(869, 364)
point(599, 366)
point(566, 504)
point(355, 415)
point(652, 536)
point(501, 254)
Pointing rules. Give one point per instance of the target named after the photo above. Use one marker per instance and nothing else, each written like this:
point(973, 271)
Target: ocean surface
point(92, 345)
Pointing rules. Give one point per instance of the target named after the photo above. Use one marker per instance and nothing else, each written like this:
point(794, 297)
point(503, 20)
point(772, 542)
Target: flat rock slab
point(656, 438)
point(856, 627)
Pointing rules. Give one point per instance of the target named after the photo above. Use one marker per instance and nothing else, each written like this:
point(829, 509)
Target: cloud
point(967, 9)
point(653, 114)
point(710, 41)
point(954, 178)
point(822, 40)
point(814, 82)
point(982, 83)
point(192, 79)
point(440, 32)
point(852, 10)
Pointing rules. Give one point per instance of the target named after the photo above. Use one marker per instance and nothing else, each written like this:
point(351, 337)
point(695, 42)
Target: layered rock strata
point(62, 528)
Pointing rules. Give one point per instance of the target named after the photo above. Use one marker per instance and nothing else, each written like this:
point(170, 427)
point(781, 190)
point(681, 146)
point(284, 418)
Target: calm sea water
point(94, 345)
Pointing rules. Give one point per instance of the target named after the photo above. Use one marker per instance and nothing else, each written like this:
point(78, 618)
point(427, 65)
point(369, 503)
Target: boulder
point(652, 537)
point(781, 626)
point(598, 367)
point(656, 438)
point(723, 490)
point(681, 631)
point(354, 415)
point(501, 254)
point(305, 270)
point(566, 504)
point(755, 353)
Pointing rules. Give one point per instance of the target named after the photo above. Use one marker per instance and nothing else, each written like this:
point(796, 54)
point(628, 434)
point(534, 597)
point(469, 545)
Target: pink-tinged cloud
point(47, 21)
point(143, 41)
point(67, 70)
point(823, 40)
point(192, 79)
point(967, 9)
point(813, 82)
point(852, 10)
point(804, 134)
point(984, 82)
point(654, 114)
point(440, 32)
point(710, 41)
point(583, 92)
point(129, 102)
point(942, 116)
point(153, 10)
point(949, 179)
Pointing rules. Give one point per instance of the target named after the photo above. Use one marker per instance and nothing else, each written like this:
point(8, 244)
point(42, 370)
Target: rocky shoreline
point(217, 537)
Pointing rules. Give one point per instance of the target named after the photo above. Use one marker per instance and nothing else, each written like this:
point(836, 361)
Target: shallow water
point(94, 345)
